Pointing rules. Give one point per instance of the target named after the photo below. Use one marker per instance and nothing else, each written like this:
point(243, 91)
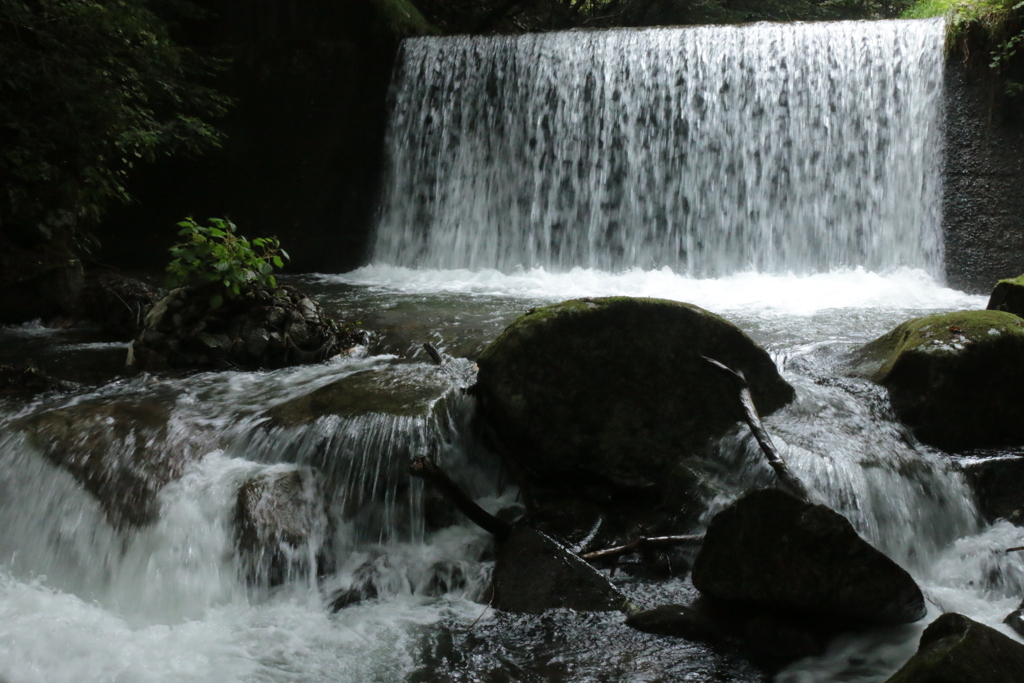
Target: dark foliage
point(476, 16)
point(88, 89)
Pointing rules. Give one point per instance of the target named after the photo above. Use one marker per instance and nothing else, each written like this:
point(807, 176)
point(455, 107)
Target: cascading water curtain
point(796, 147)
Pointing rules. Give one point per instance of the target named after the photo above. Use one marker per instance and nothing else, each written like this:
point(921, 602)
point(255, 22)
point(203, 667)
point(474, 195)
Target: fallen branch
point(640, 544)
point(753, 420)
point(425, 469)
point(434, 354)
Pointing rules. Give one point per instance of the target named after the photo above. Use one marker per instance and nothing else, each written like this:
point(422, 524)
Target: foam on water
point(784, 294)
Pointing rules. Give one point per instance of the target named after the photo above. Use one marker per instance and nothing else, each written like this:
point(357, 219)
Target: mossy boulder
point(955, 649)
point(772, 551)
point(613, 392)
point(954, 378)
point(1008, 296)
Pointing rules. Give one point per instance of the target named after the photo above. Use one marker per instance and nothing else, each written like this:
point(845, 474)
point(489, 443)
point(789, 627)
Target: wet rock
point(681, 621)
point(772, 551)
point(606, 398)
point(998, 485)
point(953, 378)
point(282, 525)
point(25, 379)
point(534, 573)
point(1015, 619)
point(767, 639)
point(955, 649)
point(118, 303)
point(37, 283)
point(1008, 295)
point(118, 450)
point(362, 587)
point(257, 329)
point(405, 390)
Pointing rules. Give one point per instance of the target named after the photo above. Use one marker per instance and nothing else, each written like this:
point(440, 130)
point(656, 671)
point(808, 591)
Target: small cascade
point(712, 150)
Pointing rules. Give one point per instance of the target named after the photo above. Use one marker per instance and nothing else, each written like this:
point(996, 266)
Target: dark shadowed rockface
point(983, 207)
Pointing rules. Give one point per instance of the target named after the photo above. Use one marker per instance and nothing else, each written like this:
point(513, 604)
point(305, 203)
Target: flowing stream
point(782, 176)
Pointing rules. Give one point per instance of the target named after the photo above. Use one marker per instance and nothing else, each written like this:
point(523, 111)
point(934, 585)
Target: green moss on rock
point(1008, 295)
point(955, 649)
point(614, 390)
point(954, 378)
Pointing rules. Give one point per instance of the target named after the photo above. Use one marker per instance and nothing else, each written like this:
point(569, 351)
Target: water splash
point(711, 150)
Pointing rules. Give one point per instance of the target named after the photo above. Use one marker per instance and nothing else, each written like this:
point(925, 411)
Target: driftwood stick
point(434, 354)
point(642, 543)
point(425, 469)
point(753, 420)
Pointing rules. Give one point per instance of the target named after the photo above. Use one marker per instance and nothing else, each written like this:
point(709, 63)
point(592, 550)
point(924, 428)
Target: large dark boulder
point(773, 551)
point(613, 393)
point(534, 573)
point(955, 649)
point(953, 378)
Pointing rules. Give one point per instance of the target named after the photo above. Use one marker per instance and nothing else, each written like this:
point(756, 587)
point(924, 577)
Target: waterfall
point(773, 147)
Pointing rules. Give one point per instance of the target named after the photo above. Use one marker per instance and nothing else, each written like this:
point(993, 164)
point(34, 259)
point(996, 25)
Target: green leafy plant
point(216, 255)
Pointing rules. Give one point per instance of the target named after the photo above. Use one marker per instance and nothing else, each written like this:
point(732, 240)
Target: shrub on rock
point(258, 329)
point(773, 551)
point(227, 310)
point(955, 379)
point(955, 649)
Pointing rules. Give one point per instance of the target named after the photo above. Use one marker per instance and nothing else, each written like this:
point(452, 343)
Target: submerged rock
point(773, 551)
point(955, 649)
point(534, 573)
point(405, 390)
point(1008, 296)
point(118, 303)
point(282, 525)
point(955, 379)
point(119, 451)
point(607, 398)
point(25, 379)
point(998, 485)
point(258, 329)
point(768, 639)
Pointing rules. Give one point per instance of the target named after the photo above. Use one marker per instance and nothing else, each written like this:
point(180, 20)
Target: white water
point(829, 240)
point(772, 147)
